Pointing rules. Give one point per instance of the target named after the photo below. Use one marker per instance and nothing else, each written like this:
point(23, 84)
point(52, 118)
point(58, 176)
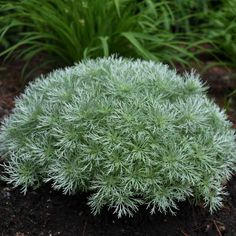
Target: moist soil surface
point(47, 212)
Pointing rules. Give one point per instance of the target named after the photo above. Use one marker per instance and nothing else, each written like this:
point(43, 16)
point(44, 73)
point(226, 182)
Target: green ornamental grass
point(128, 132)
point(70, 30)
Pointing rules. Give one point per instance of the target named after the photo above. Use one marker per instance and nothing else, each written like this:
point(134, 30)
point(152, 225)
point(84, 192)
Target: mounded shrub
point(129, 132)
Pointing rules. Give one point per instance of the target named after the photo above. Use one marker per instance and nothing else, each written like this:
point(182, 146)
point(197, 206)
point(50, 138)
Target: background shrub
point(222, 25)
point(69, 30)
point(129, 132)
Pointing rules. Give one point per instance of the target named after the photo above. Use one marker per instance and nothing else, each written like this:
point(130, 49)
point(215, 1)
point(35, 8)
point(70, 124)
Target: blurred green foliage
point(221, 30)
point(69, 30)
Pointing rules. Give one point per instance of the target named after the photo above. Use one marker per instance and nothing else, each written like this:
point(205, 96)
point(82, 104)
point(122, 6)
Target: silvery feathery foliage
point(129, 132)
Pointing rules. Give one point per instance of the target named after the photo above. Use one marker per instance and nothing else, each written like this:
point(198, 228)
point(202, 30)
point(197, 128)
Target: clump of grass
point(130, 132)
point(68, 31)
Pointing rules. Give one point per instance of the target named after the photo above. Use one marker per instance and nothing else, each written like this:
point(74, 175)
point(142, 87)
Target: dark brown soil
point(47, 212)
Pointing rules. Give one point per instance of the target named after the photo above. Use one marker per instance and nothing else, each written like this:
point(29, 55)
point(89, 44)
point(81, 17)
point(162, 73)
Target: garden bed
point(47, 212)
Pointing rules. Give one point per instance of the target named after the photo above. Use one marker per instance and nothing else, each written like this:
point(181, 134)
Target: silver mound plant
point(129, 132)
